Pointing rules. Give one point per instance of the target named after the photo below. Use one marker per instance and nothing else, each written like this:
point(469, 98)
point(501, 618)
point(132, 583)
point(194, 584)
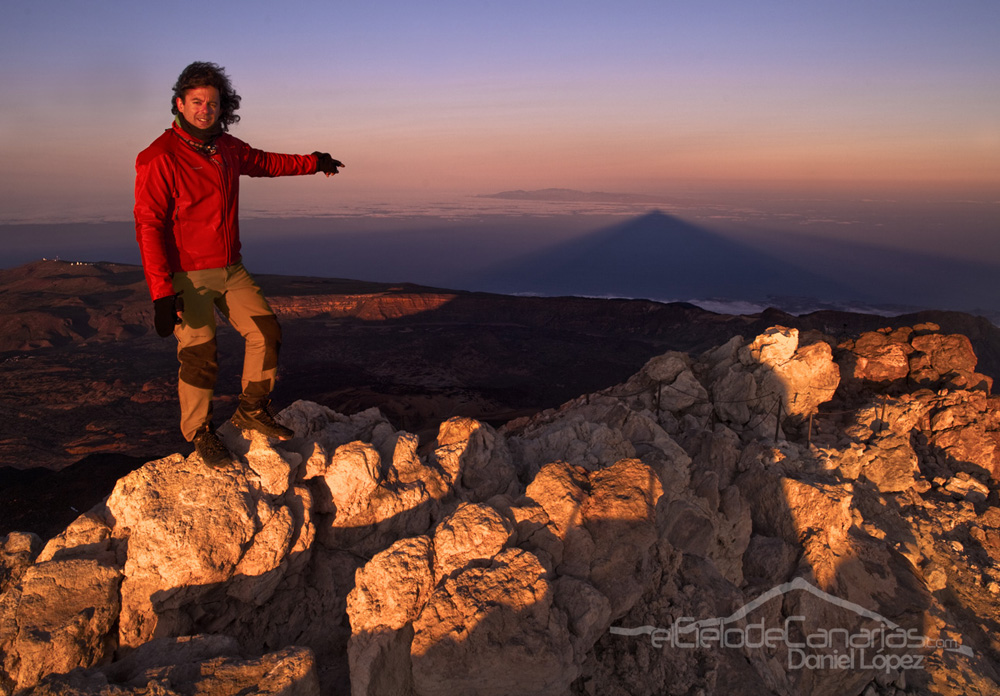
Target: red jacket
point(187, 202)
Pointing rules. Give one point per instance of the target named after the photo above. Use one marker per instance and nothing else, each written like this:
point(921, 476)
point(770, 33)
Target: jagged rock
point(559, 491)
point(473, 532)
point(806, 512)
point(619, 515)
point(372, 493)
point(493, 630)
point(192, 665)
point(389, 592)
point(755, 386)
point(18, 550)
point(161, 653)
point(736, 400)
point(716, 451)
point(475, 459)
point(891, 463)
point(804, 376)
point(391, 589)
point(354, 559)
point(605, 522)
point(351, 477)
point(717, 527)
point(769, 561)
point(571, 436)
point(880, 356)
point(288, 671)
point(948, 359)
point(88, 536)
point(665, 385)
point(967, 488)
point(920, 355)
point(587, 610)
point(188, 531)
point(60, 617)
point(962, 435)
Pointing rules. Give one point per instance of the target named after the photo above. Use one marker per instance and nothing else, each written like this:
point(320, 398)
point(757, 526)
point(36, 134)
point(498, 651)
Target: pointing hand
point(326, 164)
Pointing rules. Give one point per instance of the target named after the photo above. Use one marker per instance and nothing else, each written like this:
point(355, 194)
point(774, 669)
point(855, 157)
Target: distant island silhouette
point(574, 196)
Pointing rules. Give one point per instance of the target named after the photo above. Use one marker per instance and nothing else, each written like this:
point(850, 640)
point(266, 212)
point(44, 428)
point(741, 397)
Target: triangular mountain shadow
point(659, 257)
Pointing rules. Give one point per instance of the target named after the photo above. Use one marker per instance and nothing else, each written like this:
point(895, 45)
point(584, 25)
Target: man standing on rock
point(187, 226)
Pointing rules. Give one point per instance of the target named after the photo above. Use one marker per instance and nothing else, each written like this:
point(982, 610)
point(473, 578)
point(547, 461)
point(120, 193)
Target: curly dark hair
point(208, 75)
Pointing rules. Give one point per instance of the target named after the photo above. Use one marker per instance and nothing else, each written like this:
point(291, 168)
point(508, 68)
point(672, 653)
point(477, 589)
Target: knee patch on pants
point(268, 326)
point(199, 364)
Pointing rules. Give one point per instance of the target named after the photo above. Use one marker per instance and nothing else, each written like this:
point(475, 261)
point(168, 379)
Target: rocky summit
point(784, 514)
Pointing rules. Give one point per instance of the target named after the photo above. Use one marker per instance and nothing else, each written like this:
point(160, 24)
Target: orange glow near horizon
point(639, 96)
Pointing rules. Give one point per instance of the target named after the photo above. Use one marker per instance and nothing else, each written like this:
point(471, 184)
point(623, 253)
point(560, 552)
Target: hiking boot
point(211, 450)
point(258, 416)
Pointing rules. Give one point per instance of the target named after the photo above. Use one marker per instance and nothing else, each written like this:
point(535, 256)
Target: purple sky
point(431, 100)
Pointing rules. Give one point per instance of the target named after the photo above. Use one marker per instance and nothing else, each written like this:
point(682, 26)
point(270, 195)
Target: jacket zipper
point(227, 232)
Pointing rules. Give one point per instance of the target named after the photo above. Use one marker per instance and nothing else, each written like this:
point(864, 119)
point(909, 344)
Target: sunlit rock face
point(787, 483)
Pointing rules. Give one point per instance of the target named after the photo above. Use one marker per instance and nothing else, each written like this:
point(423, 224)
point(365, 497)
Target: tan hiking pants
point(234, 293)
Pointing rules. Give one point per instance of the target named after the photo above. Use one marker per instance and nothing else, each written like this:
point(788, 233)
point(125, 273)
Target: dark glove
point(165, 312)
point(326, 164)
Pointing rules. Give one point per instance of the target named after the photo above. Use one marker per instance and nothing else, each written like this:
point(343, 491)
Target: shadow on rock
point(753, 520)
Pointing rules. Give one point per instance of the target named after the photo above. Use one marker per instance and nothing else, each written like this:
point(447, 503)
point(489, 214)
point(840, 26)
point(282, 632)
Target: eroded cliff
point(784, 515)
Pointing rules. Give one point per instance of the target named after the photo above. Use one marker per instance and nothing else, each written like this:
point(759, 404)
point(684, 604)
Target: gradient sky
point(440, 98)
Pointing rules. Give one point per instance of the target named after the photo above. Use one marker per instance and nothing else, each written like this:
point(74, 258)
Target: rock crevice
point(557, 554)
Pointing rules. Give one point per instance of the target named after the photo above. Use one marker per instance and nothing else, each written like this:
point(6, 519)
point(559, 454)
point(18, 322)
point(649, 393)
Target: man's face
point(200, 106)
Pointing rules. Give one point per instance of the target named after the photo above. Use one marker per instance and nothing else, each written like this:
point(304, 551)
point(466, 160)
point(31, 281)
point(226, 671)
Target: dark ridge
point(44, 501)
